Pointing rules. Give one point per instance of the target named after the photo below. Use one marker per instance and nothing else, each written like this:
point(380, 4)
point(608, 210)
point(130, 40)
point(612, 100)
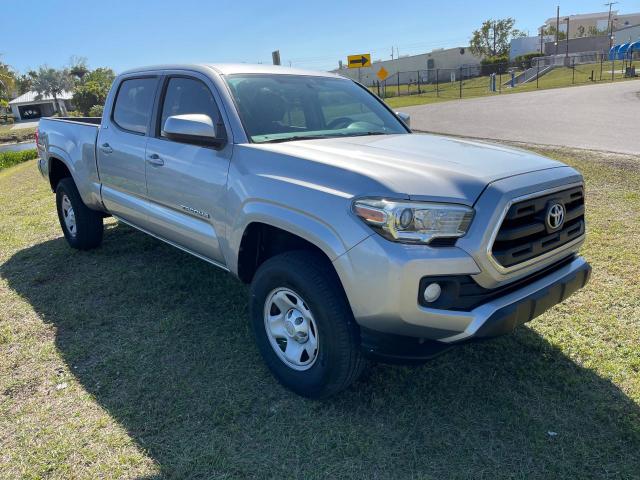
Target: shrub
point(96, 111)
point(7, 159)
point(491, 65)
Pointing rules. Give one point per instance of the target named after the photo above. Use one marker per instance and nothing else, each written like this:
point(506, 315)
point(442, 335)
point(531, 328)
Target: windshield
point(280, 108)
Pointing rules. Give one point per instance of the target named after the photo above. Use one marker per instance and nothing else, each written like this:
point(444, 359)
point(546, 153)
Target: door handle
point(106, 148)
point(154, 159)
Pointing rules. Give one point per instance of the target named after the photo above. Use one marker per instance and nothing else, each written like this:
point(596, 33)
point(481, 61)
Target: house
point(591, 24)
point(445, 64)
point(34, 105)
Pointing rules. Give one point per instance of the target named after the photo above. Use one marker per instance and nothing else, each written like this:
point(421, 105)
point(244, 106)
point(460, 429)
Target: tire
point(84, 232)
point(306, 283)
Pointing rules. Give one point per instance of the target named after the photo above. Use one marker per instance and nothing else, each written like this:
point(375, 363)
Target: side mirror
point(405, 117)
point(194, 128)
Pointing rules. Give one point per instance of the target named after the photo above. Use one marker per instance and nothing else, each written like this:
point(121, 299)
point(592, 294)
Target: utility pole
point(610, 24)
point(557, 27)
point(567, 55)
point(541, 38)
point(494, 37)
point(392, 52)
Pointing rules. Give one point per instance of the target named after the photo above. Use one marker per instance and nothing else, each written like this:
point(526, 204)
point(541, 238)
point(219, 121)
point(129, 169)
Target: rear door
point(121, 145)
point(186, 183)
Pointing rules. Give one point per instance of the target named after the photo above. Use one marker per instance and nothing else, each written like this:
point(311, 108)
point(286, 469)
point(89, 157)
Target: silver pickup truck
point(359, 239)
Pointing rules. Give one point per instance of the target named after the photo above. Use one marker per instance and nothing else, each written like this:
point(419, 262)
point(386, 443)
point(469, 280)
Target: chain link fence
point(481, 80)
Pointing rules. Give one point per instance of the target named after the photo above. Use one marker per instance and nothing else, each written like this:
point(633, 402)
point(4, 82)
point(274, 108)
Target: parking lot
point(599, 117)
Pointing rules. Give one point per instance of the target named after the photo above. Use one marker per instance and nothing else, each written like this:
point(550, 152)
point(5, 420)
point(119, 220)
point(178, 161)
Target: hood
point(419, 166)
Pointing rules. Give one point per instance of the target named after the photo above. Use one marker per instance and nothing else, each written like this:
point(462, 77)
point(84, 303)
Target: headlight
point(414, 222)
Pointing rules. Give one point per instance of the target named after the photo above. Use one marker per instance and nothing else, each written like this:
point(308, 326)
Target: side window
point(133, 104)
point(187, 95)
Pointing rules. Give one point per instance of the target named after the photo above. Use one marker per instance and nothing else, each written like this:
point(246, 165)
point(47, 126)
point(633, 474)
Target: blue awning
point(634, 47)
point(622, 51)
point(613, 52)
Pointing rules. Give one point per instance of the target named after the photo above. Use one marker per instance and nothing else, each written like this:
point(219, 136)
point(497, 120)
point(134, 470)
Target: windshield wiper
point(318, 137)
point(297, 137)
point(364, 134)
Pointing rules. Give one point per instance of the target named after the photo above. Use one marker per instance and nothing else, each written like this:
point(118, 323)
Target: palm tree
point(51, 82)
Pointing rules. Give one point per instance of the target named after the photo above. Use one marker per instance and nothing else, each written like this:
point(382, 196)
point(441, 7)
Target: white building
point(525, 45)
point(33, 105)
point(446, 64)
point(590, 23)
point(626, 35)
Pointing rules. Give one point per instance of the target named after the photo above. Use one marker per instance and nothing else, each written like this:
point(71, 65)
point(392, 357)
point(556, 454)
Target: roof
point(583, 16)
point(233, 68)
point(35, 97)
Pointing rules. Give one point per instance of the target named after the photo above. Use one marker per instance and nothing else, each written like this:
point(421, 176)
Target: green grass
point(19, 135)
point(479, 86)
point(135, 360)
point(8, 159)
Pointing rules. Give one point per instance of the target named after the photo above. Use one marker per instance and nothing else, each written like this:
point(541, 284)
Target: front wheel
point(304, 326)
point(82, 227)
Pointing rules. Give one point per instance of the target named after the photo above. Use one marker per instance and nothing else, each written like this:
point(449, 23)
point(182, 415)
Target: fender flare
point(296, 222)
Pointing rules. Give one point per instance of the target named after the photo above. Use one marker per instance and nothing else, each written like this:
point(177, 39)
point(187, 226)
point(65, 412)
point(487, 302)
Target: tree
point(7, 81)
point(551, 30)
point(93, 89)
point(88, 95)
point(78, 67)
point(593, 31)
point(493, 37)
point(104, 76)
point(51, 82)
point(23, 82)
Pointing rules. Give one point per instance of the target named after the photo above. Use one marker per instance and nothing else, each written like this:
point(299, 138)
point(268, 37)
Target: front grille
point(524, 233)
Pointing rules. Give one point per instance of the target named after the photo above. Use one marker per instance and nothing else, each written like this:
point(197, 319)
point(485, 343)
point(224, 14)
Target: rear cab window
point(133, 105)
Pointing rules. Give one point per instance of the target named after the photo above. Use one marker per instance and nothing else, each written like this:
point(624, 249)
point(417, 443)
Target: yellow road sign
point(359, 61)
point(382, 74)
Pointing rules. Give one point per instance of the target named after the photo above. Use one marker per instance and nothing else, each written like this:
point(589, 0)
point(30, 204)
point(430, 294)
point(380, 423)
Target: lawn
point(136, 361)
point(7, 135)
point(479, 86)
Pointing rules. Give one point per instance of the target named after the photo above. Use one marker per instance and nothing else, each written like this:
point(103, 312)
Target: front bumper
point(381, 281)
point(490, 320)
point(504, 314)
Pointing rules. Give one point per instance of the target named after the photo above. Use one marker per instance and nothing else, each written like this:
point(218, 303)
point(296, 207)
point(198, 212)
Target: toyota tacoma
point(359, 238)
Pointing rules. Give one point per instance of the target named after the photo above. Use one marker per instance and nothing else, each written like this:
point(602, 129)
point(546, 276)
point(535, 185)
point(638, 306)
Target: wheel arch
point(57, 170)
point(263, 240)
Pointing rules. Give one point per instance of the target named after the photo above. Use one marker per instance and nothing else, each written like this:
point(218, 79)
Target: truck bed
point(72, 141)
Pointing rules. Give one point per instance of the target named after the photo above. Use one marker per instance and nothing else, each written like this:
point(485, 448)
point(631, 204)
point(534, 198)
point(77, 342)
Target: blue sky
point(310, 34)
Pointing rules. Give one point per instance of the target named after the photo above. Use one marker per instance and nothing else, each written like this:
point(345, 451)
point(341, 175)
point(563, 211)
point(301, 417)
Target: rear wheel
point(304, 326)
point(82, 227)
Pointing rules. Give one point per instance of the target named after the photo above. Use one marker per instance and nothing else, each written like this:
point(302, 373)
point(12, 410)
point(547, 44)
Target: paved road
point(599, 117)
point(16, 147)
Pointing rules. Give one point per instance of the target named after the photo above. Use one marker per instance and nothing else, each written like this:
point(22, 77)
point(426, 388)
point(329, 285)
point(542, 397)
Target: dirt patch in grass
point(136, 361)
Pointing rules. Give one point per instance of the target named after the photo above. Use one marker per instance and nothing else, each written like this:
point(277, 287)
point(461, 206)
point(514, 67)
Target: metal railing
point(481, 80)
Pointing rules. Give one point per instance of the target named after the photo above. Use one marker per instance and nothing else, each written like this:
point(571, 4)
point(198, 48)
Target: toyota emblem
point(555, 216)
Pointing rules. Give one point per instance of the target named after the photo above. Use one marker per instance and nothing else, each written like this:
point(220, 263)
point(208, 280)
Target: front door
point(186, 183)
point(121, 145)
